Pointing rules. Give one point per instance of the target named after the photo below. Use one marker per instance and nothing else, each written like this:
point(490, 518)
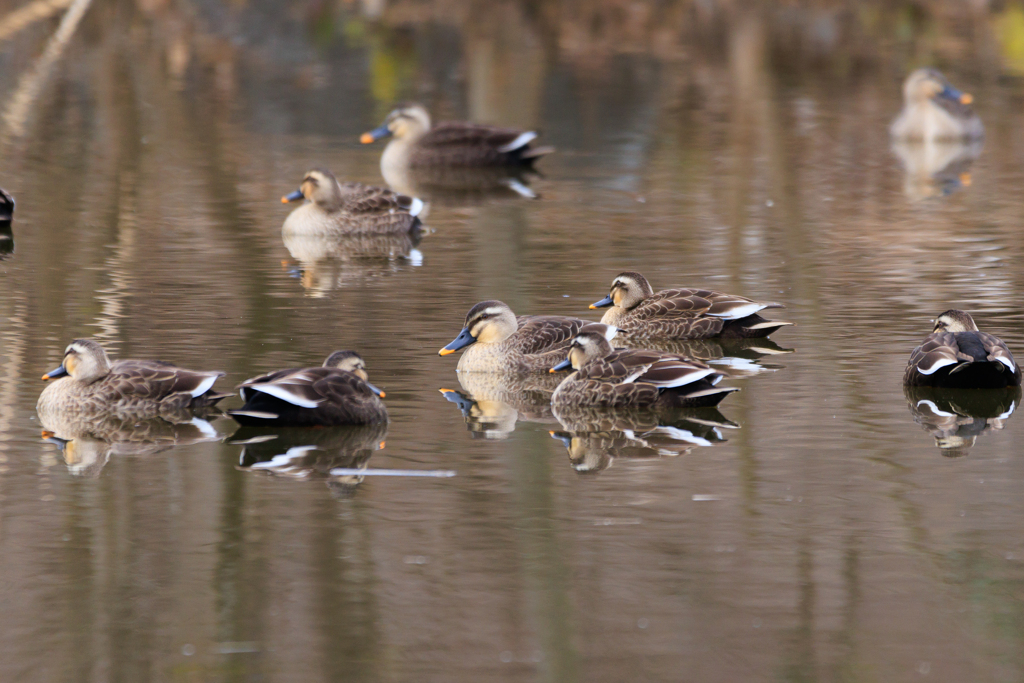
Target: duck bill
point(564, 365)
point(55, 373)
point(564, 437)
point(292, 197)
point(377, 133)
point(951, 93)
point(463, 340)
point(376, 390)
point(603, 303)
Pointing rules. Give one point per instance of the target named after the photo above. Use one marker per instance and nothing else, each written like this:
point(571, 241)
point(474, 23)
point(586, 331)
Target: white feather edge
point(934, 408)
point(740, 311)
point(941, 363)
point(1008, 362)
point(204, 386)
point(284, 394)
point(416, 206)
point(521, 141)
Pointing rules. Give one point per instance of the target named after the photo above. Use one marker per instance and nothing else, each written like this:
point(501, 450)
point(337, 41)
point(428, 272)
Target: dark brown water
point(813, 530)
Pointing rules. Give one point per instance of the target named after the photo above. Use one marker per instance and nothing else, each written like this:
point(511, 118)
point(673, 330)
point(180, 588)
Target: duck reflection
point(733, 358)
point(310, 453)
point(956, 417)
point(492, 403)
point(594, 438)
point(328, 262)
point(444, 185)
point(935, 169)
point(6, 240)
point(87, 445)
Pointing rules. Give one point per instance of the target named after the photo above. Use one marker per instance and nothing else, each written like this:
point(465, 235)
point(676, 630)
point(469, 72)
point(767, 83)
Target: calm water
point(811, 530)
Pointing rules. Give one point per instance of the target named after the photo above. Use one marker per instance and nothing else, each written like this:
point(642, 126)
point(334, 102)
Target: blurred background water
point(813, 531)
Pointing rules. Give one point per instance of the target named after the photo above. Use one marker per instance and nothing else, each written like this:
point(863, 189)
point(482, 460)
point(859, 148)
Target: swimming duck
point(336, 393)
point(639, 312)
point(957, 355)
point(349, 208)
point(451, 143)
point(502, 342)
point(934, 110)
point(89, 383)
point(633, 378)
point(6, 205)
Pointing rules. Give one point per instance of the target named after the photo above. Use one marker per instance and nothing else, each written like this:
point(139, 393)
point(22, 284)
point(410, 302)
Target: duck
point(499, 341)
point(334, 208)
point(6, 206)
point(336, 393)
point(633, 378)
point(957, 355)
point(639, 312)
point(89, 383)
point(934, 111)
point(417, 144)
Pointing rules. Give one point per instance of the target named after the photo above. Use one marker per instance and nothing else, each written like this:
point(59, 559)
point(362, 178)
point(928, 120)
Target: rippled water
point(810, 530)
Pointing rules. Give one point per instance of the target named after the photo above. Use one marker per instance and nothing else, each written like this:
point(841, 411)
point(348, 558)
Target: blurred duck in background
point(416, 144)
point(334, 208)
point(6, 206)
point(933, 110)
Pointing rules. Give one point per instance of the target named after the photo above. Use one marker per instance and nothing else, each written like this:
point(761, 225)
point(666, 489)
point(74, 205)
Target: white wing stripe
point(940, 363)
point(521, 141)
point(1007, 362)
point(204, 386)
point(284, 394)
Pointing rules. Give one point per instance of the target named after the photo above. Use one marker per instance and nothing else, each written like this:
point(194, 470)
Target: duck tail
point(531, 154)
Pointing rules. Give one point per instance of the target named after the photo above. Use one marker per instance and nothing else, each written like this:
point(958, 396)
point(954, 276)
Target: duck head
point(628, 290)
point(85, 360)
point(592, 342)
point(929, 84)
point(352, 362)
point(405, 122)
point(955, 321)
point(489, 322)
point(320, 187)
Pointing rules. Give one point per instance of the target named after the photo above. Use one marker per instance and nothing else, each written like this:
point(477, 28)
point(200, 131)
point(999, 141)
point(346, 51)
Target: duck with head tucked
point(933, 111)
point(641, 313)
point(957, 355)
point(334, 208)
point(89, 383)
point(635, 378)
point(499, 341)
point(336, 393)
point(417, 144)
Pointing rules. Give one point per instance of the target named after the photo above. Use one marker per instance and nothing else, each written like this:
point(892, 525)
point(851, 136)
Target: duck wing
point(156, 380)
point(369, 199)
point(543, 333)
point(664, 371)
point(459, 143)
point(997, 350)
point(306, 387)
point(938, 350)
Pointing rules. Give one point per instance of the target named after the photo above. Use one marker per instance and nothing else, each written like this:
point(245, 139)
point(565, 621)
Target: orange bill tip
point(366, 138)
point(551, 370)
point(445, 391)
point(593, 307)
point(966, 98)
point(46, 377)
point(965, 179)
point(381, 444)
point(284, 200)
point(46, 434)
point(382, 394)
point(444, 352)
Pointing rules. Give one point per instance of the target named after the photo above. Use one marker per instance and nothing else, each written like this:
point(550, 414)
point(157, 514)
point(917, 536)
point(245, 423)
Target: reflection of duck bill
point(564, 437)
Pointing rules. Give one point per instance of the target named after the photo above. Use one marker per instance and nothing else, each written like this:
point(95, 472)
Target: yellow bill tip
point(593, 307)
point(966, 98)
point(445, 391)
point(47, 434)
point(965, 179)
point(284, 200)
point(445, 352)
point(46, 377)
point(551, 370)
point(381, 444)
point(366, 138)
point(382, 394)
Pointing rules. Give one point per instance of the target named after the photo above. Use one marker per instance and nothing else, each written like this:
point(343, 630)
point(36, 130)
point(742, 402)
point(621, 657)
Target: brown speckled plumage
point(349, 208)
point(958, 355)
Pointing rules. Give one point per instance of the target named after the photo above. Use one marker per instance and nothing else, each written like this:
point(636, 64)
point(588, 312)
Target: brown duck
point(334, 208)
point(336, 393)
point(417, 144)
point(88, 383)
point(957, 355)
point(639, 312)
point(633, 378)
